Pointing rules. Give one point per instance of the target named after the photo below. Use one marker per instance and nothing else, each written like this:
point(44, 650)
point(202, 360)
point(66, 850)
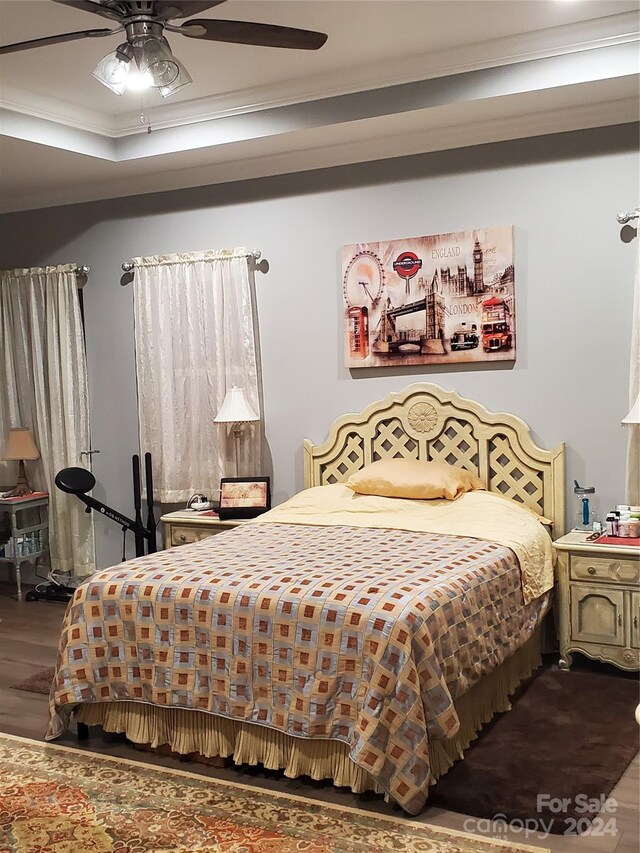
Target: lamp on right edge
point(634, 415)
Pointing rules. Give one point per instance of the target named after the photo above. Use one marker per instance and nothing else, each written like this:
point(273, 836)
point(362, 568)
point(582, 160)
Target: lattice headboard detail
point(426, 422)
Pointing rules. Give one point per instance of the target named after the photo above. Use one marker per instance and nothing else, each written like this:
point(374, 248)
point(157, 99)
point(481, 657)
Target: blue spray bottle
point(585, 515)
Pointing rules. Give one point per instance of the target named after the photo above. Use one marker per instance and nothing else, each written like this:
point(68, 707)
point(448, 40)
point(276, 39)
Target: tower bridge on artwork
point(390, 340)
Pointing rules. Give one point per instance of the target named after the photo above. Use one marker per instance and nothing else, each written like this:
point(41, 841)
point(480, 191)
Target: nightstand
point(28, 540)
point(598, 601)
point(186, 526)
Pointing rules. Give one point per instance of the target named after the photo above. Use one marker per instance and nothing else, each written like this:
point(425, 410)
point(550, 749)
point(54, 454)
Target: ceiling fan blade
point(88, 6)
point(168, 10)
point(248, 32)
point(27, 45)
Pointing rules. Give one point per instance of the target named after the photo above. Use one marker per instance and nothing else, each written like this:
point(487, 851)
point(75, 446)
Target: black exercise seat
point(75, 481)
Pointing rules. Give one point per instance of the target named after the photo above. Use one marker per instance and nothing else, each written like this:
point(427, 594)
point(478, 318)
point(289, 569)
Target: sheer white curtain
point(43, 381)
point(194, 334)
point(633, 445)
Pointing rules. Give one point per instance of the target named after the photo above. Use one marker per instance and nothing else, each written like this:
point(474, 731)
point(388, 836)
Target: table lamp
point(20, 446)
point(235, 410)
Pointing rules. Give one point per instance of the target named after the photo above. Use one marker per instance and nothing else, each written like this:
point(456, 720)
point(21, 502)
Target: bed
point(337, 638)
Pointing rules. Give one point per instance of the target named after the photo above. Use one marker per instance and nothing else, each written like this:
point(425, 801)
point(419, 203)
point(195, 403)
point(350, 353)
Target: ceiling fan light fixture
point(113, 69)
point(144, 22)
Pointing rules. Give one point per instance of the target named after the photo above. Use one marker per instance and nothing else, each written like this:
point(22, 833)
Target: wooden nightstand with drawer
point(187, 526)
point(598, 601)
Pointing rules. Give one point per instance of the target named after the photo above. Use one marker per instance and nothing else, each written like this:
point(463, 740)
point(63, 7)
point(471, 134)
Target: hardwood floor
point(28, 639)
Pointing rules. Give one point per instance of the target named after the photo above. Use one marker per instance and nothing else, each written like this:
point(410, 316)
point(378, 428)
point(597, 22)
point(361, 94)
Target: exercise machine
point(78, 482)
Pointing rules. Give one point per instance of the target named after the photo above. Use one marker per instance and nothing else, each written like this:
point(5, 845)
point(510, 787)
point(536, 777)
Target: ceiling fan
point(146, 56)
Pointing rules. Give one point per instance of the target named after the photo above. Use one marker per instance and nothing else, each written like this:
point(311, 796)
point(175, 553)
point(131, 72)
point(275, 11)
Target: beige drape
point(43, 386)
point(633, 439)
point(194, 336)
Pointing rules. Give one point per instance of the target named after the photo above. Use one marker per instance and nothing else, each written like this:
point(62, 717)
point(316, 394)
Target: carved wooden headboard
point(426, 422)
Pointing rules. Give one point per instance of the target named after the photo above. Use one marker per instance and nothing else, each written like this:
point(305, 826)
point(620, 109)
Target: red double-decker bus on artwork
point(496, 325)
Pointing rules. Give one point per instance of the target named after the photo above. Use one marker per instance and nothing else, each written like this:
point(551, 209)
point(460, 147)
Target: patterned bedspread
point(356, 634)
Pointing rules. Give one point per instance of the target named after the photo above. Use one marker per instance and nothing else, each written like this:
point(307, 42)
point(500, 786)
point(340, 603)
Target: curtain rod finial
point(626, 216)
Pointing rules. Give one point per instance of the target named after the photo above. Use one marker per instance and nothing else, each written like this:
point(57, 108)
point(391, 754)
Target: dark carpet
point(38, 683)
point(569, 735)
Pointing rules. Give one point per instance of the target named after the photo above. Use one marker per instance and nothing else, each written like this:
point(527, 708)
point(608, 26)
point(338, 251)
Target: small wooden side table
point(28, 543)
point(187, 525)
point(598, 601)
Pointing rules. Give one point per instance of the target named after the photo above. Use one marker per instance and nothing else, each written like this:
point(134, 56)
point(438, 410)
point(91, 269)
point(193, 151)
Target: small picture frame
point(244, 497)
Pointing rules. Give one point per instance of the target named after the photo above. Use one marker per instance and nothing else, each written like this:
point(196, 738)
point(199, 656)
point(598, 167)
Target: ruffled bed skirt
point(197, 733)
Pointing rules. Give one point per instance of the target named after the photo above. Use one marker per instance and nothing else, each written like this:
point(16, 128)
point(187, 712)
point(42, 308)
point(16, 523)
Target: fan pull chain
point(143, 118)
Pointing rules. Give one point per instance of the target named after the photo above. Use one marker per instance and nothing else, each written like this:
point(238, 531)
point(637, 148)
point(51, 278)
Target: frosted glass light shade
point(235, 408)
point(113, 69)
point(183, 79)
point(20, 445)
point(156, 62)
point(634, 415)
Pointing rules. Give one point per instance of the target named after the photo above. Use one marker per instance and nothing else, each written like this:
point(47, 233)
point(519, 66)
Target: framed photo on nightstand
point(244, 497)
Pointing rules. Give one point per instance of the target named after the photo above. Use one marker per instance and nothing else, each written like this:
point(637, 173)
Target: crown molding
point(556, 41)
point(26, 103)
point(299, 154)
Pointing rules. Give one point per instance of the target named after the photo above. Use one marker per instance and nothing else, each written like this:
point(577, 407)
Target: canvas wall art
point(442, 299)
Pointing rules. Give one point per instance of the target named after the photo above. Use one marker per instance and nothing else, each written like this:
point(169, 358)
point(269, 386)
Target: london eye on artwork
point(442, 299)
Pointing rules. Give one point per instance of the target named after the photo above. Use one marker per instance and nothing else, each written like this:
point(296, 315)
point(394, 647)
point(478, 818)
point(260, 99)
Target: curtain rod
point(256, 254)
point(83, 270)
point(626, 216)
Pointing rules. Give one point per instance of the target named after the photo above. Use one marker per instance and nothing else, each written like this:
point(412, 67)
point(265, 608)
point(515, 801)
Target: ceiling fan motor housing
point(140, 28)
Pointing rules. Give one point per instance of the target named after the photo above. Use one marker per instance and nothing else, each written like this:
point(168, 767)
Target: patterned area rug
point(59, 800)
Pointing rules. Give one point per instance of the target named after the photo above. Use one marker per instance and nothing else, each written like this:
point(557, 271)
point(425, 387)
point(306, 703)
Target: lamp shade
point(634, 415)
point(20, 445)
point(235, 408)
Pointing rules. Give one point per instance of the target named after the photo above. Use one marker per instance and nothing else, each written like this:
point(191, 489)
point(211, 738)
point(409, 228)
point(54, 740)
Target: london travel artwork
point(444, 299)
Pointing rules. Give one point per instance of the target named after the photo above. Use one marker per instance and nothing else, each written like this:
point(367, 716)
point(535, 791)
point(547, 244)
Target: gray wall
point(574, 279)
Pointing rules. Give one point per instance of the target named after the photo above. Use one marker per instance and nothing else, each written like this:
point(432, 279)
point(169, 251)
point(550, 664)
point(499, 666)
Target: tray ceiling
point(389, 72)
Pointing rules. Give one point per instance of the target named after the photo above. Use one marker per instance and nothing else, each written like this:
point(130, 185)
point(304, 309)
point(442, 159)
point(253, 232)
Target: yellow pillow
point(410, 478)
